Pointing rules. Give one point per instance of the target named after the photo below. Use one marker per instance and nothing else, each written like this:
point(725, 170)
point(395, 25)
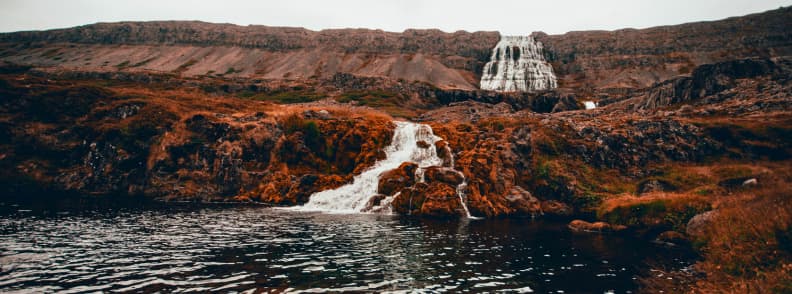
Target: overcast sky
point(508, 17)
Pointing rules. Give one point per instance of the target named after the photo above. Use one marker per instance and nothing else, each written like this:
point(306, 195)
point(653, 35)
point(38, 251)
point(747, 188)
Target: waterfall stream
point(353, 197)
point(517, 64)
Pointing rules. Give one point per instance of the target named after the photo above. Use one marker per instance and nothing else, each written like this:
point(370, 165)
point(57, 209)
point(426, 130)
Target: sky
point(508, 17)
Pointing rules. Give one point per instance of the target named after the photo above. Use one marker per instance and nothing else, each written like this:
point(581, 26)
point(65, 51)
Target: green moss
point(374, 98)
point(681, 178)
point(662, 212)
point(732, 172)
point(283, 97)
point(311, 134)
point(703, 191)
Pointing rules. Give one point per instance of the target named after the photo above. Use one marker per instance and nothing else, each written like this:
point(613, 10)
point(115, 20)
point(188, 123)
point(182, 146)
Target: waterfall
point(517, 64)
point(353, 197)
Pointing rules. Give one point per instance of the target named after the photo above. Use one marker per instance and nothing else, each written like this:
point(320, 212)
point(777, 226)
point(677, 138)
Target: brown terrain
point(690, 145)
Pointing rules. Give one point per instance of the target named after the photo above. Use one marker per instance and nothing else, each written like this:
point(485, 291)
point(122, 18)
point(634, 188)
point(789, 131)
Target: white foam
point(353, 197)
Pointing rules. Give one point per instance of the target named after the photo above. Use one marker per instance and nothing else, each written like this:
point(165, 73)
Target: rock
point(565, 103)
point(397, 179)
point(444, 175)
point(373, 202)
point(672, 238)
point(441, 201)
point(750, 182)
point(556, 208)
point(444, 152)
point(584, 226)
point(422, 144)
point(696, 226)
point(321, 114)
point(654, 185)
point(523, 202)
point(735, 183)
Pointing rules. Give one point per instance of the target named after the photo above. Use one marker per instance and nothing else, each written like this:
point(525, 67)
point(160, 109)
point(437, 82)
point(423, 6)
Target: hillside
point(585, 62)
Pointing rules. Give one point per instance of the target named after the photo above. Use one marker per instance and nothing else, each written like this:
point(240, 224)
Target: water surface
point(231, 248)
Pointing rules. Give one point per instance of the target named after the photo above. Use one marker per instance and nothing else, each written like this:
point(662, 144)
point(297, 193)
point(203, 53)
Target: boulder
point(523, 202)
point(697, 225)
point(584, 226)
point(444, 152)
point(441, 201)
point(397, 179)
point(374, 202)
point(556, 208)
point(672, 238)
point(443, 175)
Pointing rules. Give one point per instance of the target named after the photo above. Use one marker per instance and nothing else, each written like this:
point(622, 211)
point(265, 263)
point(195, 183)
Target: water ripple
point(232, 248)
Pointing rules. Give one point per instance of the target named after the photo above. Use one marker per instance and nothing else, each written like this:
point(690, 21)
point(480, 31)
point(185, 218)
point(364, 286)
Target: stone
point(556, 208)
point(397, 179)
point(696, 226)
point(654, 185)
point(600, 227)
point(672, 238)
point(523, 202)
point(750, 182)
point(444, 175)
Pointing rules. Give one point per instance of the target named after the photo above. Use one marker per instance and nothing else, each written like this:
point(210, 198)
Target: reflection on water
point(191, 247)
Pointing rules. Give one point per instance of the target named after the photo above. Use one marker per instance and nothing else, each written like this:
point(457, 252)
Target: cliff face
point(447, 60)
point(631, 58)
point(588, 62)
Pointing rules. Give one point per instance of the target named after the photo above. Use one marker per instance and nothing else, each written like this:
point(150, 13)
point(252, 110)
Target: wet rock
point(441, 201)
point(523, 202)
point(584, 226)
point(672, 238)
point(374, 202)
point(410, 200)
point(556, 208)
point(444, 175)
point(397, 179)
point(422, 144)
point(444, 152)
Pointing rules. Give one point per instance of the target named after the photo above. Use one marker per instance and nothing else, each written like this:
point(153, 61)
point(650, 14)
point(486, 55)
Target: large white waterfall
point(404, 147)
point(517, 64)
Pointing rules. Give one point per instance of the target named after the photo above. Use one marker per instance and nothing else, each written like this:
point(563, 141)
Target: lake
point(87, 245)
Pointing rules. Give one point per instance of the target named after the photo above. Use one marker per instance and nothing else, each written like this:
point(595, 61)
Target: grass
point(284, 96)
point(747, 246)
point(668, 210)
point(377, 99)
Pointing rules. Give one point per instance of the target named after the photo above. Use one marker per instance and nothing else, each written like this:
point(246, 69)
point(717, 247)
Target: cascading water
point(353, 197)
point(517, 64)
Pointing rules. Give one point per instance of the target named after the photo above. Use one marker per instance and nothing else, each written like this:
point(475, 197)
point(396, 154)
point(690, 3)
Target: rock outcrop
point(635, 59)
